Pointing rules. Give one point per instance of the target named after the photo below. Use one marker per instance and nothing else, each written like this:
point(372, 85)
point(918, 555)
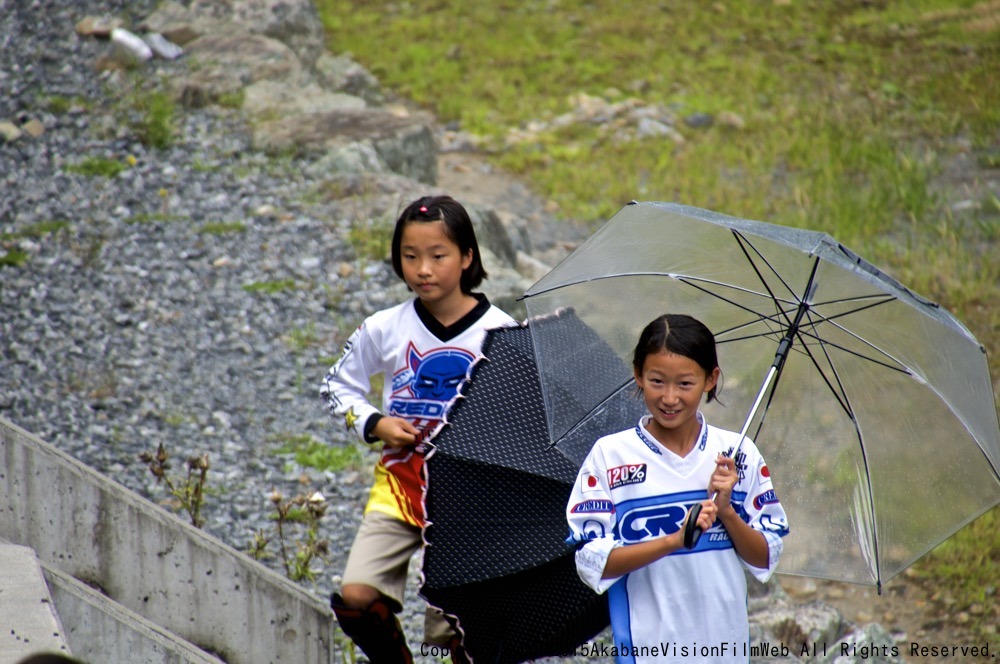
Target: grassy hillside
point(876, 121)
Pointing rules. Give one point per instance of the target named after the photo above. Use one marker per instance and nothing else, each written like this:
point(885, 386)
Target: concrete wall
point(152, 562)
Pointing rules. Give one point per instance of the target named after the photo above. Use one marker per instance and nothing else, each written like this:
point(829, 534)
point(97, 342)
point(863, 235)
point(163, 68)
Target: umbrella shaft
point(772, 372)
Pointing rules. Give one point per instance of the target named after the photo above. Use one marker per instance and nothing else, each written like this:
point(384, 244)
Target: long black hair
point(680, 334)
point(458, 228)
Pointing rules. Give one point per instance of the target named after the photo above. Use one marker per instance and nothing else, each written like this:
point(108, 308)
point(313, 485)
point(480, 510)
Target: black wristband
point(370, 426)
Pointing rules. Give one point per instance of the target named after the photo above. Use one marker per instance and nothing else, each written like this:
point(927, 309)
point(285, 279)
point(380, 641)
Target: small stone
point(162, 47)
point(699, 120)
point(130, 45)
point(33, 128)
point(97, 26)
point(732, 120)
point(9, 132)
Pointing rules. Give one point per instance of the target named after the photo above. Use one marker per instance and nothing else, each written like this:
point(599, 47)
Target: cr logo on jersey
point(645, 522)
point(633, 473)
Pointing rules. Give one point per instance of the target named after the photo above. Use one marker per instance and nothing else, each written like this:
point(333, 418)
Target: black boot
point(375, 630)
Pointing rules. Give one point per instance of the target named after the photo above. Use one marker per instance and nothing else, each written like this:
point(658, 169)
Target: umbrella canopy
point(496, 556)
point(881, 429)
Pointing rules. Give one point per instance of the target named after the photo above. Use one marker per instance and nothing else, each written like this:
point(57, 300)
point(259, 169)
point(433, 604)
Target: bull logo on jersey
point(741, 464)
point(422, 390)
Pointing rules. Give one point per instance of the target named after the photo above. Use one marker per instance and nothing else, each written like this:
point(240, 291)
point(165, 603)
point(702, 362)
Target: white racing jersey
point(691, 605)
point(423, 364)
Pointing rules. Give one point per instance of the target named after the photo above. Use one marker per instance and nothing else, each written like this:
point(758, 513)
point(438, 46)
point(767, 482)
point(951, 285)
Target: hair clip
point(423, 209)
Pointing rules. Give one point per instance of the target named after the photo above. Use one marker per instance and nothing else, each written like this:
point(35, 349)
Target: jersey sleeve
point(591, 516)
point(346, 385)
point(762, 510)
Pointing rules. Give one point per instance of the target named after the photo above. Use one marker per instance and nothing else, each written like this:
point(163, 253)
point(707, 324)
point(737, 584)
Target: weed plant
point(154, 119)
point(189, 492)
point(298, 554)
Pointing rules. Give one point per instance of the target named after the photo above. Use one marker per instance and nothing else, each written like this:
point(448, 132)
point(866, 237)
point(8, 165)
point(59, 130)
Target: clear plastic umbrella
point(873, 406)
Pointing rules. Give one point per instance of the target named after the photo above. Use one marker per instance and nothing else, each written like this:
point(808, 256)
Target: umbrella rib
point(760, 317)
point(857, 354)
point(879, 301)
point(844, 400)
point(898, 366)
point(839, 393)
point(691, 281)
point(743, 242)
point(576, 425)
point(864, 454)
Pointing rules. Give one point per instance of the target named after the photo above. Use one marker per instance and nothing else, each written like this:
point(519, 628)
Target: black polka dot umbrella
point(496, 557)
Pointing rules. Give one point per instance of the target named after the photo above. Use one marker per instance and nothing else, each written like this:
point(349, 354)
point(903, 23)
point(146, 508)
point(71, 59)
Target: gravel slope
point(127, 322)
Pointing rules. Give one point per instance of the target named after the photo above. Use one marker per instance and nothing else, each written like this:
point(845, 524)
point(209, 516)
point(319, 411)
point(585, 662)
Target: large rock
point(295, 23)
point(270, 98)
point(871, 644)
point(404, 142)
point(227, 63)
point(342, 74)
point(784, 631)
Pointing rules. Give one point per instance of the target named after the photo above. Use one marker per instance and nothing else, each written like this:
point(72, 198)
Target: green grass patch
point(831, 94)
point(232, 100)
point(36, 230)
point(222, 228)
point(96, 167)
point(12, 255)
point(154, 125)
point(967, 567)
point(200, 166)
point(308, 452)
point(270, 287)
point(59, 105)
point(153, 218)
point(303, 338)
point(371, 239)
point(13, 258)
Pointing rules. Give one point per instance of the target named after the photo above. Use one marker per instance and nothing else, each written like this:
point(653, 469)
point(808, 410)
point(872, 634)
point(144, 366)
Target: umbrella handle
point(692, 532)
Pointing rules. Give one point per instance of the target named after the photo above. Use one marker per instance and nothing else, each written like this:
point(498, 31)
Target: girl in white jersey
point(424, 349)
point(634, 491)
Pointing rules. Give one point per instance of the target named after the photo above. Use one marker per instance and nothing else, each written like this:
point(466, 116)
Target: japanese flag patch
point(589, 482)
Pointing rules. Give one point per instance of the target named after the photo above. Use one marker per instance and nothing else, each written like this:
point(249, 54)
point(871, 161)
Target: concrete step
point(44, 610)
point(84, 526)
point(101, 630)
point(29, 622)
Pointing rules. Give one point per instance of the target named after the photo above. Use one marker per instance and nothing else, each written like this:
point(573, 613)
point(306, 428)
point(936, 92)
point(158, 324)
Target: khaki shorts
point(380, 558)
